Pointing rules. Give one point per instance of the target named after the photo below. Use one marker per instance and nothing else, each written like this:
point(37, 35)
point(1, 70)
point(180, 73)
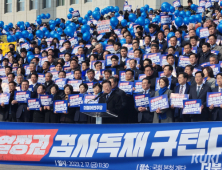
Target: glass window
point(88, 1)
point(21, 5)
point(74, 2)
point(60, 2)
point(33, 4)
point(8, 6)
point(47, 4)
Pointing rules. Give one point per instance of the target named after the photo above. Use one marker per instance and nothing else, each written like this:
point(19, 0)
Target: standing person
point(182, 88)
point(48, 82)
point(22, 114)
point(164, 115)
point(9, 111)
point(50, 116)
point(217, 111)
point(69, 116)
point(79, 116)
point(199, 91)
point(113, 102)
point(144, 114)
point(39, 115)
point(209, 74)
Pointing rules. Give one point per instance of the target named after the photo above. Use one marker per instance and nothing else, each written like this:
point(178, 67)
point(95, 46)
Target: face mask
point(79, 38)
point(63, 38)
point(93, 43)
point(11, 49)
point(43, 46)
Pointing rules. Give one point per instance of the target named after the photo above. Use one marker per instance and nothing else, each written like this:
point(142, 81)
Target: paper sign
point(141, 100)
point(160, 102)
point(60, 106)
point(192, 106)
point(176, 99)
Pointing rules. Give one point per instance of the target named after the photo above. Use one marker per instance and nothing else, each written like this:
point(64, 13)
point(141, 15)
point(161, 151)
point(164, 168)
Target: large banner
point(173, 146)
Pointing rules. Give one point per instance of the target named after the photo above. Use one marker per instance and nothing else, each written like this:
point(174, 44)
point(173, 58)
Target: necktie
point(144, 92)
point(181, 90)
point(107, 97)
point(198, 90)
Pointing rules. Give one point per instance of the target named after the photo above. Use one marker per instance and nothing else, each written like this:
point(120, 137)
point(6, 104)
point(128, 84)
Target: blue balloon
point(106, 10)
point(132, 17)
point(179, 21)
point(147, 21)
point(44, 29)
point(38, 17)
point(103, 12)
point(30, 36)
point(114, 21)
point(6, 27)
point(30, 57)
point(147, 7)
point(71, 10)
point(220, 27)
point(158, 18)
point(52, 33)
point(69, 16)
point(96, 15)
point(117, 14)
point(59, 30)
point(116, 9)
point(62, 25)
point(146, 29)
point(89, 13)
point(111, 8)
point(144, 15)
point(141, 21)
point(142, 9)
point(67, 23)
point(84, 21)
point(124, 22)
point(72, 24)
point(39, 34)
point(29, 53)
point(182, 14)
point(22, 27)
point(43, 16)
point(186, 20)
point(25, 34)
point(170, 34)
point(150, 9)
point(69, 31)
point(47, 15)
point(10, 25)
point(1, 23)
point(18, 35)
point(47, 34)
point(198, 31)
point(27, 24)
point(172, 9)
point(86, 36)
point(188, 13)
point(165, 7)
point(58, 20)
point(123, 41)
point(77, 25)
point(176, 13)
point(192, 19)
point(97, 9)
point(198, 18)
point(52, 26)
point(85, 28)
point(39, 21)
point(193, 7)
point(86, 17)
point(57, 36)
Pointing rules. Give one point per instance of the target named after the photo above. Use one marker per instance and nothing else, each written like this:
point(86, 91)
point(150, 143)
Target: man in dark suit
point(144, 114)
point(91, 76)
point(206, 54)
point(123, 56)
point(217, 111)
point(23, 54)
point(133, 64)
point(182, 88)
point(113, 101)
point(173, 42)
point(48, 82)
point(199, 91)
point(9, 111)
point(22, 114)
point(115, 61)
point(34, 80)
point(168, 69)
point(194, 61)
point(149, 72)
point(32, 68)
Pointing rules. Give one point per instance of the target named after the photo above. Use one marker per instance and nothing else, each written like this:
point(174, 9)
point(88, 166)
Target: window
point(21, 5)
point(88, 1)
point(60, 2)
point(47, 4)
point(33, 4)
point(8, 6)
point(74, 2)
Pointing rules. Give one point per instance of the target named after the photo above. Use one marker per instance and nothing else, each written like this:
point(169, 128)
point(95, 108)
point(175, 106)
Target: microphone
point(100, 95)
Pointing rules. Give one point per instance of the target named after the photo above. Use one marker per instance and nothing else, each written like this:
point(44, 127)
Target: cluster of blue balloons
point(42, 16)
point(194, 7)
point(165, 7)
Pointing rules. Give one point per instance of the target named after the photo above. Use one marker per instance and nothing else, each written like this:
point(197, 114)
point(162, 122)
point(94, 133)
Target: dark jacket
point(48, 86)
point(79, 116)
point(204, 57)
point(217, 111)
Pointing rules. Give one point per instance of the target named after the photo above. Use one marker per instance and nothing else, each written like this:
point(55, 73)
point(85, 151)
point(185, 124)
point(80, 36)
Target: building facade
point(28, 10)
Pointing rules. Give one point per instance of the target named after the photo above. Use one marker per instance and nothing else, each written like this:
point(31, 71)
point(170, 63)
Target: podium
point(97, 110)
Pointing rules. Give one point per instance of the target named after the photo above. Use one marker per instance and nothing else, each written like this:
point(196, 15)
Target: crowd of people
point(86, 61)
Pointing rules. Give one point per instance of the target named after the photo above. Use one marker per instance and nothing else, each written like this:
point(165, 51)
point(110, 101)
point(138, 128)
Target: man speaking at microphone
point(113, 101)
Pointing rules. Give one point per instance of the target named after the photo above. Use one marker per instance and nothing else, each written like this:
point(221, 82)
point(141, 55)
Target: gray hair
point(20, 75)
point(50, 74)
point(213, 56)
point(99, 45)
point(33, 63)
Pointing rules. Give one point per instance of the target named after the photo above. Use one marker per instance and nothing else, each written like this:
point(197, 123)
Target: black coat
point(50, 116)
point(204, 116)
point(68, 117)
point(174, 82)
point(79, 116)
point(204, 57)
point(153, 81)
point(146, 116)
point(137, 72)
point(217, 111)
point(114, 105)
point(48, 87)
